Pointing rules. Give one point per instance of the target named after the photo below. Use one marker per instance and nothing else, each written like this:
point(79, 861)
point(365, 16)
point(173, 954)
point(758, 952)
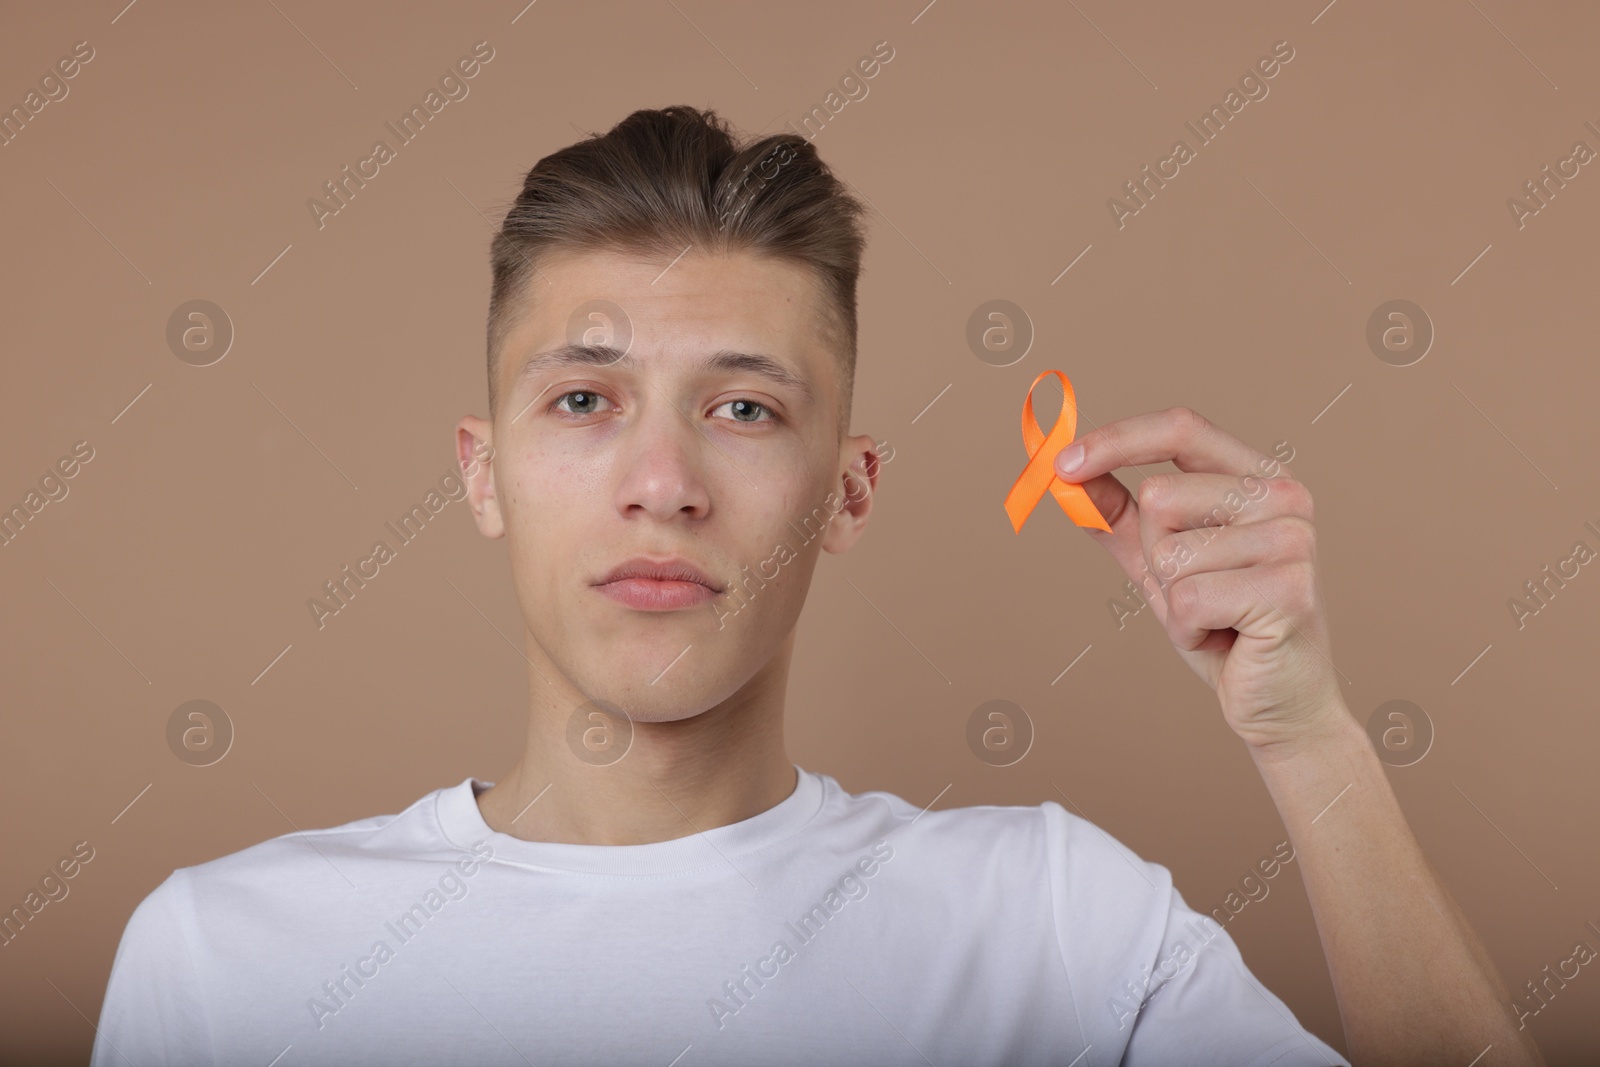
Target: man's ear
point(475, 452)
point(860, 459)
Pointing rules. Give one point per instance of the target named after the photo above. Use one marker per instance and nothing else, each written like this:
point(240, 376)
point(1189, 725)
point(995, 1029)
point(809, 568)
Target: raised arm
point(1413, 981)
point(1225, 555)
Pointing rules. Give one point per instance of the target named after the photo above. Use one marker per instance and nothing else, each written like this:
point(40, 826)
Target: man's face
point(658, 455)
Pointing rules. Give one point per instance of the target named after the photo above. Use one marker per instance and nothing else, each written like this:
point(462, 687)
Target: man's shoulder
point(890, 813)
point(1081, 853)
point(311, 860)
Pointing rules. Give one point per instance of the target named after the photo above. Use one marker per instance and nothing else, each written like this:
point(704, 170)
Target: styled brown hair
point(663, 179)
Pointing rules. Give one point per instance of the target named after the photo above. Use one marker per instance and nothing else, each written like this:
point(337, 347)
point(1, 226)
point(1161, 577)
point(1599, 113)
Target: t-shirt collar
point(456, 809)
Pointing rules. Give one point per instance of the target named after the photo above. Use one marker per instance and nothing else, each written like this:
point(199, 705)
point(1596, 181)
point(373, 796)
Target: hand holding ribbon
point(1040, 473)
point(1238, 599)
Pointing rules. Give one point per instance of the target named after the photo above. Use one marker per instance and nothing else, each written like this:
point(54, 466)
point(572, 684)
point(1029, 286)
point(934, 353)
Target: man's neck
point(676, 779)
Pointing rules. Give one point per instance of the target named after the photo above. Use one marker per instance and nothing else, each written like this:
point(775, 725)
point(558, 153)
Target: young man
point(671, 352)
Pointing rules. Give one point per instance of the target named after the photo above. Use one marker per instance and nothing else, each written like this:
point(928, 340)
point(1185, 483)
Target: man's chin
point(639, 702)
point(655, 634)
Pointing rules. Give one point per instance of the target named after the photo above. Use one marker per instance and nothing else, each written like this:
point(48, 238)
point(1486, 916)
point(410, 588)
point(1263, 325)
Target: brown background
point(1378, 167)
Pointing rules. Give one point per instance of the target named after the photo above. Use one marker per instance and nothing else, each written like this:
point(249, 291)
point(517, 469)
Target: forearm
point(1413, 982)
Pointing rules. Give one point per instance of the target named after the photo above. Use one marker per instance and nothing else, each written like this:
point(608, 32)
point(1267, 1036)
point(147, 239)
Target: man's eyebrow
point(726, 360)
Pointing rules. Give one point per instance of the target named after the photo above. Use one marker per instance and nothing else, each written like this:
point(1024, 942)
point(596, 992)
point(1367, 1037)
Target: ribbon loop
point(1039, 476)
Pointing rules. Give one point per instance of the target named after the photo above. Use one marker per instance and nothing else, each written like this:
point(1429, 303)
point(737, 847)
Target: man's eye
point(743, 408)
point(585, 398)
point(581, 401)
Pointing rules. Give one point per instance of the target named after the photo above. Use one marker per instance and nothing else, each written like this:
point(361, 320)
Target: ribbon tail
point(1022, 499)
point(1074, 500)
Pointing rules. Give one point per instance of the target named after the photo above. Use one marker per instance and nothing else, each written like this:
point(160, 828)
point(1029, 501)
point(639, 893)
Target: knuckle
point(1153, 489)
point(1190, 422)
point(1299, 538)
point(1306, 588)
point(1295, 492)
point(1183, 595)
point(1171, 553)
point(1298, 590)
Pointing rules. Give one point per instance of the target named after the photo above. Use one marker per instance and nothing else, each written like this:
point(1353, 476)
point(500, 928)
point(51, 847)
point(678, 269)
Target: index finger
point(1179, 434)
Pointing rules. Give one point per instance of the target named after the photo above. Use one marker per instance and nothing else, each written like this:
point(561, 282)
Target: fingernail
point(1070, 459)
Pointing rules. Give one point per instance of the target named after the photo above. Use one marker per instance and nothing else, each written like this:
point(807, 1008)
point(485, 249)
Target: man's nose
point(662, 462)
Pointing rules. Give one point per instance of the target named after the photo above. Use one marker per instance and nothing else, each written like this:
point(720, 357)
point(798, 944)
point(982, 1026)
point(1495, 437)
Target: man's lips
point(667, 584)
point(649, 594)
point(670, 569)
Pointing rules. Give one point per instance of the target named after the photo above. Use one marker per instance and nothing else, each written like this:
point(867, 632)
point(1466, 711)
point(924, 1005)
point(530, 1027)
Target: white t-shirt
point(833, 928)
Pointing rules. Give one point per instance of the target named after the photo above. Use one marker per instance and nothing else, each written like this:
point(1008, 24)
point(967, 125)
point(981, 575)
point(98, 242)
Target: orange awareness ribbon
point(1040, 473)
